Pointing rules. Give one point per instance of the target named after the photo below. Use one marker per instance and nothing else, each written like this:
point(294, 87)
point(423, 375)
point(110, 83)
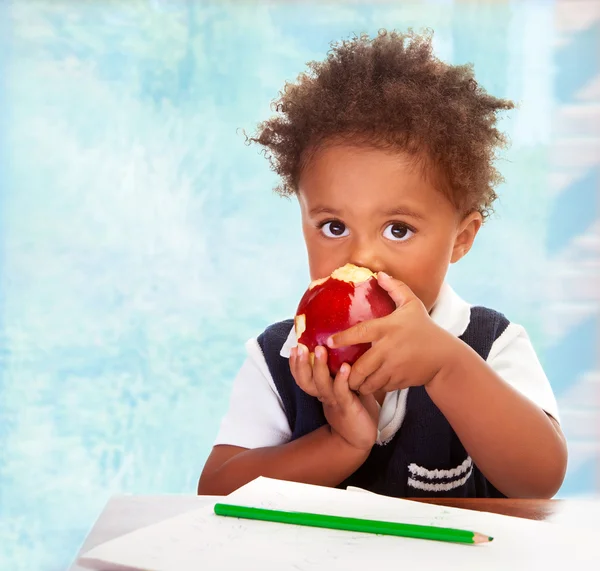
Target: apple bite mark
point(350, 295)
point(300, 328)
point(300, 325)
point(352, 274)
point(315, 283)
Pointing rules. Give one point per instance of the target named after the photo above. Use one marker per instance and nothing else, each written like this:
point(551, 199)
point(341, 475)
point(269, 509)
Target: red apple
point(350, 295)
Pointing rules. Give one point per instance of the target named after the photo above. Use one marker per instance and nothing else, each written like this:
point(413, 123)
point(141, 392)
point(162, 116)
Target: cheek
point(321, 260)
point(424, 270)
point(321, 266)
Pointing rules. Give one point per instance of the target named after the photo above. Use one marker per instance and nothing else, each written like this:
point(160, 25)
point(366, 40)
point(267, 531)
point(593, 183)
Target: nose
point(364, 253)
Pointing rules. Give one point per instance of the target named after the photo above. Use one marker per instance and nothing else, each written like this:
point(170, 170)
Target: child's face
point(372, 208)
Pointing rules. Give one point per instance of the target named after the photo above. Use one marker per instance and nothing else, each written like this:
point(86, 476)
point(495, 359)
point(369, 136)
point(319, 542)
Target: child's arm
point(324, 457)
point(517, 446)
point(321, 457)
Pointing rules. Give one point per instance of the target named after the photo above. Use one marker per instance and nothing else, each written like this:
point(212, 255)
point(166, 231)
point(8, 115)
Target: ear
point(465, 235)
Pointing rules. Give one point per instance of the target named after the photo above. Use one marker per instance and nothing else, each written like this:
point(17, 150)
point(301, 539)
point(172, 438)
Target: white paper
point(202, 540)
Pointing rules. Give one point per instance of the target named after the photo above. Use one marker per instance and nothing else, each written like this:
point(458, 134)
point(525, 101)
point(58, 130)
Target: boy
point(389, 152)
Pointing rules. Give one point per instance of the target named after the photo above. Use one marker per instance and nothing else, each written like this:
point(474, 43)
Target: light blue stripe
point(574, 211)
point(572, 356)
point(577, 63)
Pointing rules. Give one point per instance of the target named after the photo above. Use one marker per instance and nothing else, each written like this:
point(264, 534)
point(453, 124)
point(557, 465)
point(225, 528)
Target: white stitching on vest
point(441, 487)
point(435, 474)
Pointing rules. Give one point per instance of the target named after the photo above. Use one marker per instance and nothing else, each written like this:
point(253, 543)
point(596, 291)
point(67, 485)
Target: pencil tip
point(480, 538)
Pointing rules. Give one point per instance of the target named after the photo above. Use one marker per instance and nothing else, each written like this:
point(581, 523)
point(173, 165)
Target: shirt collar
point(450, 312)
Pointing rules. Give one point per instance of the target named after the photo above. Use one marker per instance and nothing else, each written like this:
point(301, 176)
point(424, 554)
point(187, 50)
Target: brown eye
point(334, 229)
point(398, 232)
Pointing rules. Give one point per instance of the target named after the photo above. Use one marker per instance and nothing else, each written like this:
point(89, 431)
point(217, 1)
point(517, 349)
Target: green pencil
point(354, 524)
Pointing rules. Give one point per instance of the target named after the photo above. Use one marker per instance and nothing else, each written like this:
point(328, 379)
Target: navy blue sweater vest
point(425, 457)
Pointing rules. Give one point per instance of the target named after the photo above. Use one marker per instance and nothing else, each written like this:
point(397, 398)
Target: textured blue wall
point(141, 244)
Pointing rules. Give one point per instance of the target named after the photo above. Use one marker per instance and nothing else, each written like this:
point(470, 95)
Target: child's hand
point(354, 418)
point(408, 347)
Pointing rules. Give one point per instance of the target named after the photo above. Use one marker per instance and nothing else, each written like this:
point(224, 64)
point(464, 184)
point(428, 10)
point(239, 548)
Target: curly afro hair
point(392, 93)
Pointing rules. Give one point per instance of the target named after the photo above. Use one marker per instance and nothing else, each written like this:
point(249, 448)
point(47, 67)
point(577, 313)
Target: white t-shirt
point(256, 416)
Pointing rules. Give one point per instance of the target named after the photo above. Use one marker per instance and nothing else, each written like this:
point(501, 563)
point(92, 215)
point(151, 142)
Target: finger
point(366, 365)
point(341, 390)
point(322, 378)
point(295, 368)
point(395, 384)
point(374, 382)
point(302, 370)
point(363, 332)
point(397, 290)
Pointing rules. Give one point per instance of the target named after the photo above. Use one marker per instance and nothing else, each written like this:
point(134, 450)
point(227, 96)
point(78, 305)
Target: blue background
point(141, 244)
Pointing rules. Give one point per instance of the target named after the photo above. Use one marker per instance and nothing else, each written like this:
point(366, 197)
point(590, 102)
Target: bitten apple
point(350, 295)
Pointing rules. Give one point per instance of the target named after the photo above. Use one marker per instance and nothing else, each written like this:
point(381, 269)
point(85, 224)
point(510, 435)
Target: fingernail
point(301, 350)
point(330, 343)
point(383, 274)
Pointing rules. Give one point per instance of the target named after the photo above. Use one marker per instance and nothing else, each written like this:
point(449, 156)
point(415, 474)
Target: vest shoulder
point(485, 326)
point(488, 318)
point(276, 333)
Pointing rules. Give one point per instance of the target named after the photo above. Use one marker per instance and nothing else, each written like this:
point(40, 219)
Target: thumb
point(400, 293)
